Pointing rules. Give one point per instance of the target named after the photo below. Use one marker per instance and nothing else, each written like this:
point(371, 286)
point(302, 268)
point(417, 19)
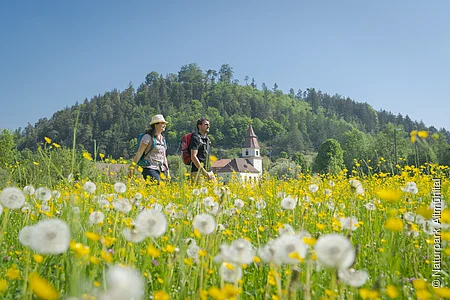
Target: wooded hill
point(286, 124)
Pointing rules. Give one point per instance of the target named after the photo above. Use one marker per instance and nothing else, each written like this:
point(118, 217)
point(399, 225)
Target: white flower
point(411, 188)
point(287, 247)
point(352, 277)
point(287, 229)
point(204, 190)
point(26, 208)
point(192, 250)
point(45, 208)
point(313, 188)
point(331, 183)
point(122, 205)
point(335, 250)
point(409, 216)
point(347, 223)
point(241, 251)
point(50, 237)
point(136, 198)
point(89, 187)
point(239, 203)
point(204, 223)
point(120, 187)
point(29, 190)
point(151, 222)
point(12, 198)
point(96, 217)
point(207, 201)
point(195, 192)
point(370, 206)
point(260, 204)
point(356, 186)
point(213, 209)
point(230, 272)
point(288, 203)
point(170, 208)
point(328, 192)
point(124, 283)
point(56, 194)
point(43, 194)
point(133, 235)
point(156, 206)
point(25, 235)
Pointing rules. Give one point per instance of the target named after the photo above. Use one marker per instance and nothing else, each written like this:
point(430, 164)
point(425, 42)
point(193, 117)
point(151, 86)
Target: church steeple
point(251, 151)
point(251, 140)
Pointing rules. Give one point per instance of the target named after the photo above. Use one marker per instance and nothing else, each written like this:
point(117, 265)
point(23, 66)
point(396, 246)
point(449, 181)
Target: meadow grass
point(389, 225)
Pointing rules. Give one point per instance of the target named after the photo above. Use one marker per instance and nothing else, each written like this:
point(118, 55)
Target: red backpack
point(185, 153)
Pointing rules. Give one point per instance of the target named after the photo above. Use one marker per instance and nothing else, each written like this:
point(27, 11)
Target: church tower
point(251, 150)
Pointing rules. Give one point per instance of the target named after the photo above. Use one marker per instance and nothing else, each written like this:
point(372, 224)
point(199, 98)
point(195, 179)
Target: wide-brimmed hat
point(158, 119)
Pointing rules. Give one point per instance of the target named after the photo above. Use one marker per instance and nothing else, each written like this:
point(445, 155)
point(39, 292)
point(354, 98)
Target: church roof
point(220, 163)
point(239, 165)
point(251, 140)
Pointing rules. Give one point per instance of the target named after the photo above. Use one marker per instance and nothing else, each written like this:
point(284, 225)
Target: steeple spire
point(251, 140)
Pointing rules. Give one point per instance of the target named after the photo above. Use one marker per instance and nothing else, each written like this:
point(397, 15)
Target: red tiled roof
point(240, 165)
point(251, 140)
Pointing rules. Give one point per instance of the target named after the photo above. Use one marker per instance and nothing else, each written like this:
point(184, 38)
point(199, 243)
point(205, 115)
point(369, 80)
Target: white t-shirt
point(156, 156)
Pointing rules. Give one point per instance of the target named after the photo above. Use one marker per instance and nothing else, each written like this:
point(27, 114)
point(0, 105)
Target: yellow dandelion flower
point(447, 251)
point(188, 261)
point(213, 158)
point(256, 259)
point(419, 284)
point(445, 236)
point(152, 251)
point(56, 145)
point(35, 163)
point(38, 258)
point(321, 226)
point(42, 288)
point(13, 273)
point(161, 295)
point(106, 256)
point(170, 248)
point(3, 285)
point(422, 134)
point(160, 280)
point(87, 155)
point(215, 293)
point(392, 291)
point(368, 294)
point(97, 284)
point(442, 292)
point(309, 241)
point(94, 260)
point(389, 195)
point(423, 294)
point(202, 252)
point(197, 233)
point(229, 266)
point(48, 140)
point(93, 236)
point(445, 216)
point(101, 155)
point(425, 212)
point(394, 224)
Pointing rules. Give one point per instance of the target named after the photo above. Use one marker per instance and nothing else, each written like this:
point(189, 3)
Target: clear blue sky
point(394, 55)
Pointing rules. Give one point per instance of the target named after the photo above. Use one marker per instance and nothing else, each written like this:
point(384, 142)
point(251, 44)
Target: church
point(245, 168)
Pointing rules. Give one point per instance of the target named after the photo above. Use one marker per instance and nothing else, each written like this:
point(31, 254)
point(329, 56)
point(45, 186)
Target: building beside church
point(246, 168)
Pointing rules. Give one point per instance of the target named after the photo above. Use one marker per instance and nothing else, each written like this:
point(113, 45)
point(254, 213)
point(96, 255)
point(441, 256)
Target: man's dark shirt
point(203, 145)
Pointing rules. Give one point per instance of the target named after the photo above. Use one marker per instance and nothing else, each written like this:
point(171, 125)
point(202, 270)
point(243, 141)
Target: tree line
point(289, 125)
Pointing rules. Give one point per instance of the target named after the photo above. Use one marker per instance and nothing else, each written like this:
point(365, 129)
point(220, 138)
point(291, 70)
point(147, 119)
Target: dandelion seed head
point(29, 190)
point(50, 237)
point(288, 203)
point(89, 187)
point(335, 250)
point(124, 283)
point(133, 235)
point(230, 272)
point(25, 235)
point(204, 223)
point(122, 205)
point(43, 194)
point(120, 187)
point(151, 222)
point(96, 217)
point(12, 198)
point(238, 203)
point(313, 188)
point(353, 277)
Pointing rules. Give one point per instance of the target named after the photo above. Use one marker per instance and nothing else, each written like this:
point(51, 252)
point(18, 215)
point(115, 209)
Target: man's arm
point(197, 163)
